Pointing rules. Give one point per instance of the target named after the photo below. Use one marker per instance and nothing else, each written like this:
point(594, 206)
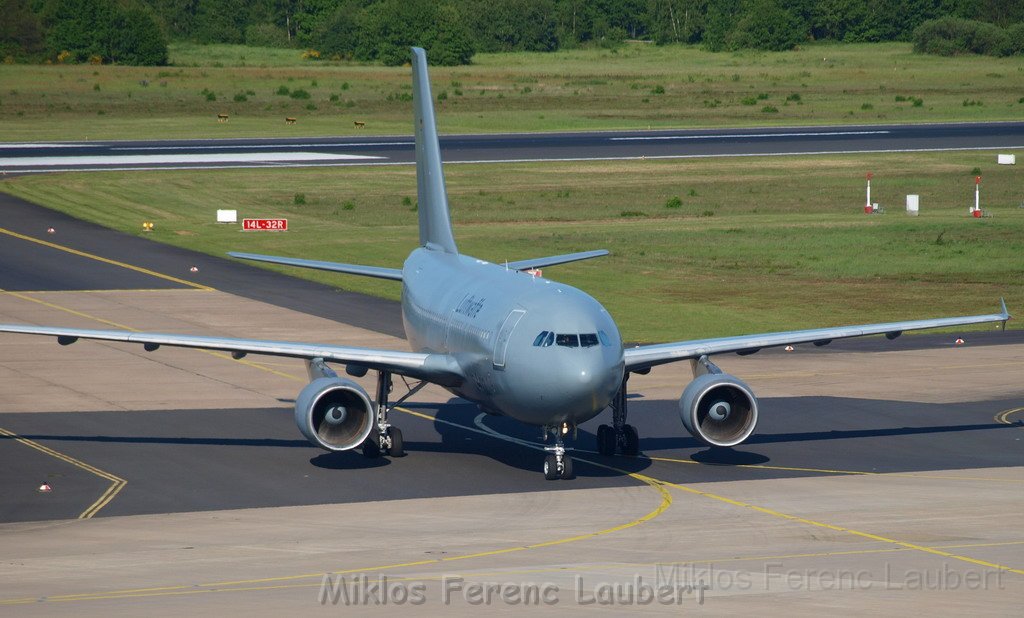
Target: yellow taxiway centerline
point(91, 256)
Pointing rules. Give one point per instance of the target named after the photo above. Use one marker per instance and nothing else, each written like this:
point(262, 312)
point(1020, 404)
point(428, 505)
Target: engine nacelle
point(334, 413)
point(718, 409)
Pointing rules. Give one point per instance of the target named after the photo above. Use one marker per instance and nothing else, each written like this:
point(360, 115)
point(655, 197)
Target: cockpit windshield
point(571, 340)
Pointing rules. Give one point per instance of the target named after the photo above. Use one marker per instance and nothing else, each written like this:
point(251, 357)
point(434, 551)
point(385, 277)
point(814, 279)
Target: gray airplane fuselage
point(491, 319)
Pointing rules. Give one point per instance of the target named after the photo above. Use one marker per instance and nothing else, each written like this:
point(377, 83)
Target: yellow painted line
point(831, 374)
point(117, 290)
point(838, 472)
point(866, 535)
point(225, 586)
point(1004, 416)
point(94, 318)
point(184, 590)
point(117, 483)
point(91, 256)
point(80, 314)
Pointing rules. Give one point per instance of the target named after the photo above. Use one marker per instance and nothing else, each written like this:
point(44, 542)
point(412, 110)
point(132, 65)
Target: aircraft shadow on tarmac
point(457, 428)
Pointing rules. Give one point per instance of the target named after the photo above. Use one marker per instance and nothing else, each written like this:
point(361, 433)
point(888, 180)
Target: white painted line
point(45, 145)
point(171, 159)
point(489, 161)
point(258, 146)
point(747, 135)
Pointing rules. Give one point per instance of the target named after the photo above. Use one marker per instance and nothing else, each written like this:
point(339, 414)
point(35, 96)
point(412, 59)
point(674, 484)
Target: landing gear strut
point(557, 464)
point(387, 439)
point(620, 436)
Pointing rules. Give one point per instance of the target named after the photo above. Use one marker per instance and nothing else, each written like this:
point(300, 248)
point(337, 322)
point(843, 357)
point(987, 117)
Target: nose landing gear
point(557, 465)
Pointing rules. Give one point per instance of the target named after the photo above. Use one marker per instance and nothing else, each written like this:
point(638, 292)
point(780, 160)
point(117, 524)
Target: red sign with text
point(265, 225)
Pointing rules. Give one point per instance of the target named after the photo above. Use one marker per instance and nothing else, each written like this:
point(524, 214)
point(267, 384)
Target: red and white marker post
point(867, 204)
point(976, 211)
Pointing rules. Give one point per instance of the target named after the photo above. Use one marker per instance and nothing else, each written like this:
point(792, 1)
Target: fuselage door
point(504, 334)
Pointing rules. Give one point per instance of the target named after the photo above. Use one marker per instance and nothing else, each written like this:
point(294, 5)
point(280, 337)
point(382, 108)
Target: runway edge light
point(45, 488)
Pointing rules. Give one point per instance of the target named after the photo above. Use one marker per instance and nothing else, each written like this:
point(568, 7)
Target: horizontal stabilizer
point(352, 269)
point(556, 259)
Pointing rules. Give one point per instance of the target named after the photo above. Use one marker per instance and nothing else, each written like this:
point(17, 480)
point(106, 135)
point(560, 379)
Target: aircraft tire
point(550, 467)
point(632, 445)
point(605, 440)
point(371, 448)
point(397, 448)
point(567, 468)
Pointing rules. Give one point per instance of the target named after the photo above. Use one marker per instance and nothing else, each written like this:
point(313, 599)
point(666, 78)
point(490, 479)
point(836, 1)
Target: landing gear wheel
point(631, 441)
point(371, 448)
point(567, 468)
point(550, 467)
point(605, 440)
point(397, 448)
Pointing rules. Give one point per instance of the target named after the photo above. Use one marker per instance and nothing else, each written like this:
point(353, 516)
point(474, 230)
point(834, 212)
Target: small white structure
point(227, 216)
point(1007, 159)
point(912, 205)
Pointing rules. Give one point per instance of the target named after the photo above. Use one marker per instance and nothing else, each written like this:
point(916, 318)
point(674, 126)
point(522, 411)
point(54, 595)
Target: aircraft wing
point(644, 357)
point(555, 259)
point(438, 368)
point(379, 272)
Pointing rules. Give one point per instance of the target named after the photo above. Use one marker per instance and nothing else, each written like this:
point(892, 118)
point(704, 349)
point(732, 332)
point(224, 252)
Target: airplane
point(501, 336)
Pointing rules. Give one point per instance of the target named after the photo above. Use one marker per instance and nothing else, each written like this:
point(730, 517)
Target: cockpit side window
point(603, 336)
point(550, 340)
point(588, 340)
point(568, 340)
point(539, 341)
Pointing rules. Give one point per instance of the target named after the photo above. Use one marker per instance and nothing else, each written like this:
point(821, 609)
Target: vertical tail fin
point(435, 223)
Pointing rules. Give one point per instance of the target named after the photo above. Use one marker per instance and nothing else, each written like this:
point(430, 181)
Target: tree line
point(137, 31)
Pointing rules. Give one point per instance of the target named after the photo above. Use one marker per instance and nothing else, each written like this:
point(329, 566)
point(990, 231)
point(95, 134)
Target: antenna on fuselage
point(432, 198)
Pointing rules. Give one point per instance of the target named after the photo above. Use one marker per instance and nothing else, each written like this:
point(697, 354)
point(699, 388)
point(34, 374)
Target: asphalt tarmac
point(884, 476)
point(212, 459)
point(603, 145)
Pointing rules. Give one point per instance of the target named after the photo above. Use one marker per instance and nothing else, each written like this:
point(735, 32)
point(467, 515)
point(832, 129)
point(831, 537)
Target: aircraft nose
point(589, 382)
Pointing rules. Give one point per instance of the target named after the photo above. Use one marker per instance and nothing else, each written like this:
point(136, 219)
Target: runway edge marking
point(117, 483)
point(98, 258)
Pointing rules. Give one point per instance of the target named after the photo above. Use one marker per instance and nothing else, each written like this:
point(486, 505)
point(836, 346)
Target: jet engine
point(334, 413)
point(718, 409)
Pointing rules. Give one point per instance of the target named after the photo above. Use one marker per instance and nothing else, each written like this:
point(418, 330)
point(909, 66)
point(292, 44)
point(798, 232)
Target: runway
point(580, 146)
point(887, 459)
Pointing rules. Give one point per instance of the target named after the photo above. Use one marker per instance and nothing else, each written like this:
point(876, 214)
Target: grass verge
point(699, 247)
point(637, 86)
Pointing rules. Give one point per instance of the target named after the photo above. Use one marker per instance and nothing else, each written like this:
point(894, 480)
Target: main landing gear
point(557, 465)
point(619, 436)
point(387, 439)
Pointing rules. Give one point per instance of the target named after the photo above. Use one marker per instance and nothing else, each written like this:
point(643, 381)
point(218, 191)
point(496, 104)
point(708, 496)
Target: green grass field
point(699, 247)
point(633, 87)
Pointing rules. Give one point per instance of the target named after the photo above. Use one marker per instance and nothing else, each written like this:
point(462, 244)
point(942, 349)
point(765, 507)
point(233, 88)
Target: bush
point(766, 24)
point(1015, 39)
point(674, 202)
point(298, 93)
point(950, 36)
point(266, 35)
point(106, 30)
point(283, 91)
